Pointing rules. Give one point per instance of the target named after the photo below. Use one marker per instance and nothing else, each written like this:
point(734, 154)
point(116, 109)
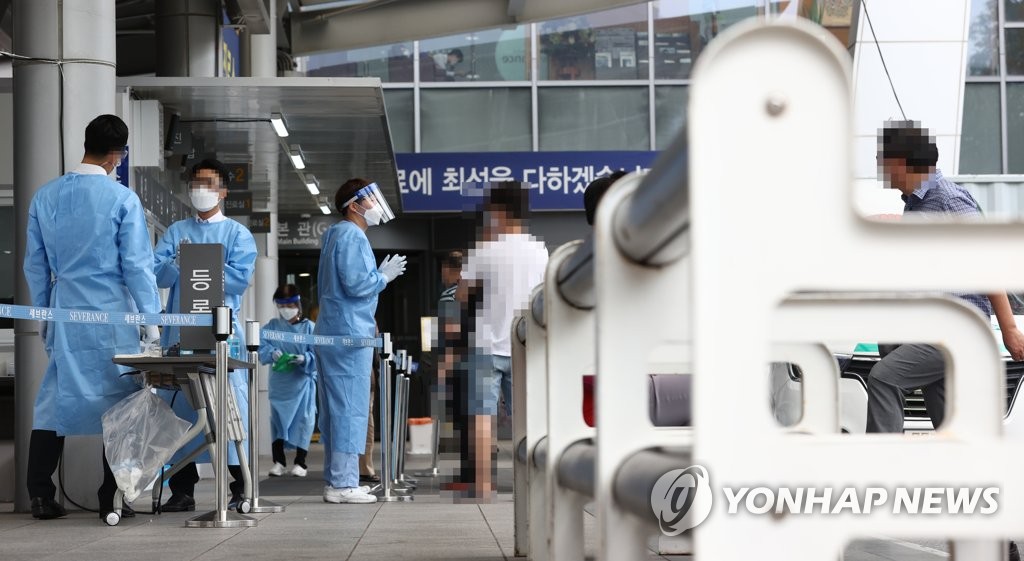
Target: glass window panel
point(490, 55)
point(390, 63)
point(1015, 51)
point(1015, 127)
point(834, 15)
point(981, 142)
point(399, 106)
point(787, 7)
point(683, 28)
point(475, 120)
point(609, 45)
point(669, 113)
point(1013, 9)
point(983, 39)
point(589, 118)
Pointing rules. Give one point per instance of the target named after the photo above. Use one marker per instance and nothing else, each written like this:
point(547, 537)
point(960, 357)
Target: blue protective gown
point(87, 249)
point(292, 392)
point(349, 284)
point(239, 264)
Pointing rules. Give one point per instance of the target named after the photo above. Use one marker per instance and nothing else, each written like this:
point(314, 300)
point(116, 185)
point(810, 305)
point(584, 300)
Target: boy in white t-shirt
point(500, 272)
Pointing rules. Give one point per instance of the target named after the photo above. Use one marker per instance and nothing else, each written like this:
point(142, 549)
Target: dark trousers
point(277, 450)
point(184, 481)
point(905, 368)
point(44, 453)
point(463, 395)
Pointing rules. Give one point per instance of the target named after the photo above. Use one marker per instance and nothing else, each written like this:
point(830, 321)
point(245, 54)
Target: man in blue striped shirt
point(907, 157)
point(451, 421)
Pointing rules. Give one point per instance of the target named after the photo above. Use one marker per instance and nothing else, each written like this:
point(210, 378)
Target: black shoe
point(127, 511)
point(179, 503)
point(47, 509)
point(1014, 554)
point(235, 501)
point(369, 478)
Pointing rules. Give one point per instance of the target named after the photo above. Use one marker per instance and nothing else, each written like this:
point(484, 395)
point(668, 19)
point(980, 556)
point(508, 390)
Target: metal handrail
point(650, 228)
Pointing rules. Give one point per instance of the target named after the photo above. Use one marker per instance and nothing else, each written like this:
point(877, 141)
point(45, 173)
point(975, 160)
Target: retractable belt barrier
point(325, 340)
point(37, 313)
point(97, 316)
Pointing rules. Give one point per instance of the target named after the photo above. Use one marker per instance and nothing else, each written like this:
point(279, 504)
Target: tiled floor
point(427, 528)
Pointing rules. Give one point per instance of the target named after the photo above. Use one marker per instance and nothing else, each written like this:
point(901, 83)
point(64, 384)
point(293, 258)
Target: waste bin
point(421, 433)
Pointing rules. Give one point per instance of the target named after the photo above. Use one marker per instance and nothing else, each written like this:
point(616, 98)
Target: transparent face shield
point(371, 197)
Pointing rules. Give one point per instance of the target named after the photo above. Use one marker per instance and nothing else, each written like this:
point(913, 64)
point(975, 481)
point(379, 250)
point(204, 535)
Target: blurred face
point(497, 221)
point(114, 158)
point(206, 190)
point(450, 275)
point(894, 172)
point(209, 180)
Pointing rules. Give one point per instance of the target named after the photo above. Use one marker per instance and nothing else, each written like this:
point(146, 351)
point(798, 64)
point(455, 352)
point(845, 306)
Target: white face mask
point(288, 314)
point(372, 216)
point(204, 199)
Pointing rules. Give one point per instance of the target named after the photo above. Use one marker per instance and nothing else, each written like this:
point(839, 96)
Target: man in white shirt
point(500, 272)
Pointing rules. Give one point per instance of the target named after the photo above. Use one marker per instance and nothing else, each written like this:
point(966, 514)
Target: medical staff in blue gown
point(87, 248)
point(207, 188)
point(349, 281)
point(292, 383)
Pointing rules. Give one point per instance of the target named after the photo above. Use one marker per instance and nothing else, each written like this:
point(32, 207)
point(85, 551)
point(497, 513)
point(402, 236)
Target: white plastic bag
point(140, 434)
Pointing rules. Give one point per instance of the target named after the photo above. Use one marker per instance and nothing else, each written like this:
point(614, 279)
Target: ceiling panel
point(339, 123)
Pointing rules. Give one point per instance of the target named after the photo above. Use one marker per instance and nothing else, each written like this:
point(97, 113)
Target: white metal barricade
point(570, 355)
point(634, 320)
point(529, 391)
point(770, 198)
point(520, 477)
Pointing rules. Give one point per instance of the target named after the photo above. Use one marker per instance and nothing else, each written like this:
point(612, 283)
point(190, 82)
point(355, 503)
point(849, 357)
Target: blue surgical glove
point(298, 360)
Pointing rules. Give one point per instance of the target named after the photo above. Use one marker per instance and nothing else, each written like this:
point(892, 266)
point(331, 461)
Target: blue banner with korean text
point(432, 182)
point(230, 48)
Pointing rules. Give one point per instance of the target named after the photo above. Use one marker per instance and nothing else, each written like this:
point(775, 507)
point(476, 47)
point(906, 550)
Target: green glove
point(281, 365)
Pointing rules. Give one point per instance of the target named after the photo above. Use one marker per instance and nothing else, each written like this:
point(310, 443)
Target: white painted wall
point(924, 43)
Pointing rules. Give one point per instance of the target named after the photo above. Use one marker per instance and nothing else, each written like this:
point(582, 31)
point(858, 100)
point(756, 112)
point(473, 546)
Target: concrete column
point(186, 37)
point(263, 64)
point(72, 29)
point(263, 47)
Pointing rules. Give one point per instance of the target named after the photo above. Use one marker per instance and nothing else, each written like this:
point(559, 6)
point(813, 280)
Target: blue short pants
point(479, 369)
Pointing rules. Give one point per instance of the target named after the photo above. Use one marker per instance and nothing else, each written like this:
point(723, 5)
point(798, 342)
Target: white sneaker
point(362, 488)
point(354, 495)
point(277, 470)
point(297, 470)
